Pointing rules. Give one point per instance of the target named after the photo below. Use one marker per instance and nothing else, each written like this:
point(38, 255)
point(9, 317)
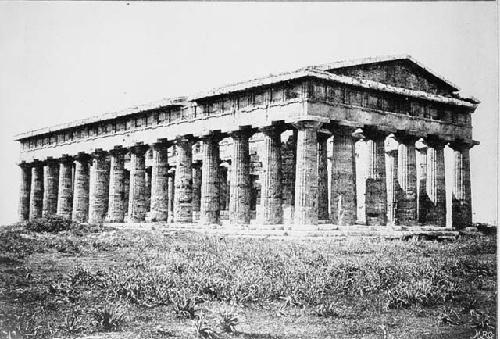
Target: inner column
point(36, 194)
point(343, 182)
point(159, 183)
point(65, 194)
point(81, 188)
point(99, 188)
point(391, 172)
point(183, 203)
point(239, 202)
point(270, 201)
point(461, 190)
point(50, 187)
point(137, 197)
point(117, 204)
point(436, 191)
point(376, 189)
point(196, 190)
point(210, 190)
point(407, 179)
point(306, 175)
point(323, 176)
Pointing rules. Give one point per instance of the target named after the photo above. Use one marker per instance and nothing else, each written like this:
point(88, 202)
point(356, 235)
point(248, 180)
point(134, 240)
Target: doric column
point(65, 194)
point(99, 188)
point(343, 182)
point(361, 160)
point(306, 173)
point(50, 187)
point(210, 186)
point(24, 192)
point(436, 190)
point(36, 193)
point(323, 176)
point(239, 201)
point(391, 177)
point(81, 188)
point(407, 179)
point(171, 194)
point(271, 200)
point(196, 189)
point(183, 203)
point(148, 177)
point(137, 198)
point(159, 183)
point(117, 202)
point(422, 198)
point(376, 188)
point(461, 189)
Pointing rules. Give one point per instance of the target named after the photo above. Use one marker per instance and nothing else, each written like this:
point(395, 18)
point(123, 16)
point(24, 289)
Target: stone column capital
point(211, 137)
point(65, 158)
point(307, 124)
point(359, 134)
point(460, 145)
point(391, 144)
point(25, 165)
point(118, 151)
point(50, 161)
point(421, 145)
point(98, 154)
point(241, 133)
point(160, 146)
point(82, 157)
point(139, 149)
point(272, 130)
point(406, 138)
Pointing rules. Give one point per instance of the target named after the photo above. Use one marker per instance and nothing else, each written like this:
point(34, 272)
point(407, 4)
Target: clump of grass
point(185, 307)
point(228, 320)
point(205, 331)
point(109, 317)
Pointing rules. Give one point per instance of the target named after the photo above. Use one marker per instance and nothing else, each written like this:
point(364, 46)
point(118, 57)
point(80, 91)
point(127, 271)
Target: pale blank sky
point(61, 61)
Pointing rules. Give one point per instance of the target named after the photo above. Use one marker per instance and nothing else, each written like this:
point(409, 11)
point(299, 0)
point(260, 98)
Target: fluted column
point(24, 192)
point(361, 170)
point(239, 202)
point(461, 189)
point(99, 188)
point(343, 182)
point(117, 202)
point(65, 194)
point(391, 177)
point(306, 173)
point(210, 186)
point(407, 179)
point(81, 189)
point(422, 198)
point(137, 198)
point(183, 198)
point(376, 188)
point(50, 187)
point(323, 176)
point(159, 184)
point(36, 193)
point(436, 190)
point(196, 189)
point(171, 194)
point(271, 200)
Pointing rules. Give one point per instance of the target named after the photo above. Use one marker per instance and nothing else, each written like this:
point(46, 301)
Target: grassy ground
point(100, 282)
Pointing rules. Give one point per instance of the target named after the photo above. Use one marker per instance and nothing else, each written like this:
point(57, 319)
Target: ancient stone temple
point(378, 141)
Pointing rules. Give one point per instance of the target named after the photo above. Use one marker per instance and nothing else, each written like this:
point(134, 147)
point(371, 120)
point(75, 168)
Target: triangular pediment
point(403, 72)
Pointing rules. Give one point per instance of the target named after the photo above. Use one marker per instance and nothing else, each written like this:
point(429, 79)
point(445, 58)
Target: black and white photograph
point(251, 170)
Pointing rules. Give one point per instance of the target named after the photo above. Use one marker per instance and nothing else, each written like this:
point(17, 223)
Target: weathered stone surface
point(436, 191)
point(270, 178)
point(461, 190)
point(36, 194)
point(407, 179)
point(196, 190)
point(148, 177)
point(210, 186)
point(343, 200)
point(376, 188)
point(137, 198)
point(117, 205)
point(50, 187)
point(81, 189)
point(239, 204)
point(306, 177)
point(323, 176)
point(183, 197)
point(159, 184)
point(24, 192)
point(99, 188)
point(65, 194)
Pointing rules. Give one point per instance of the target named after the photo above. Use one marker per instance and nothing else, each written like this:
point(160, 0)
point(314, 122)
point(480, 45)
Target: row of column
point(393, 191)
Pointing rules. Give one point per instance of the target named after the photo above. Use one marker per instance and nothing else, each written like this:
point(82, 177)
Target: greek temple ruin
point(377, 141)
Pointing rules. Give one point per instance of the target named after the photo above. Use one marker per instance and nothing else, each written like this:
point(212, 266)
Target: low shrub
point(50, 224)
